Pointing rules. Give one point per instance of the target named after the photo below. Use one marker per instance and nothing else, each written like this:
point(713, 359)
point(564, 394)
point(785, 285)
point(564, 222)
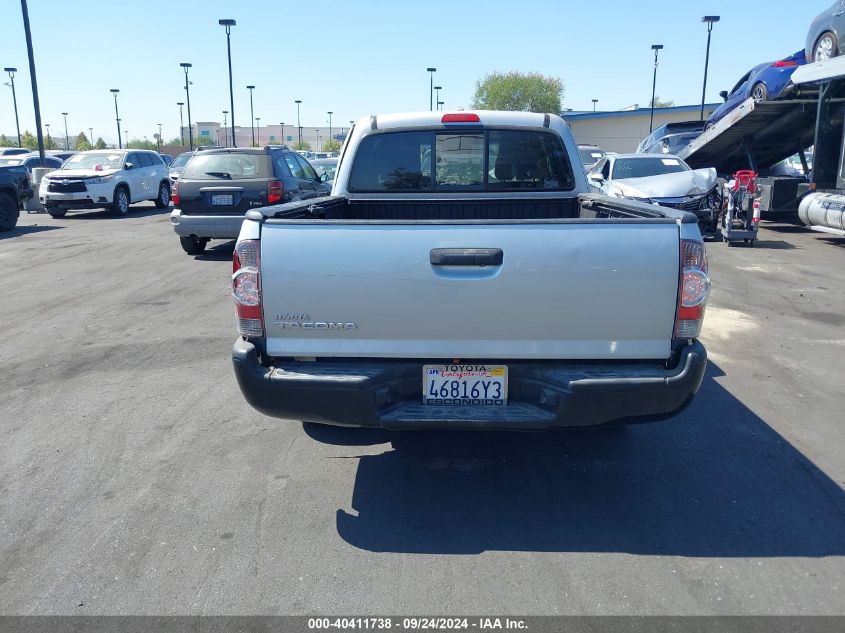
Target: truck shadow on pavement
point(715, 482)
point(25, 230)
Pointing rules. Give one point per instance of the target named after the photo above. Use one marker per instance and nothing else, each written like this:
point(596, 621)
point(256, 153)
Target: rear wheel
point(57, 212)
point(163, 198)
point(120, 202)
point(8, 212)
point(759, 92)
point(193, 245)
point(825, 48)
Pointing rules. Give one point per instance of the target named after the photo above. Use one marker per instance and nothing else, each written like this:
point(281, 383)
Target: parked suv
point(111, 179)
point(217, 188)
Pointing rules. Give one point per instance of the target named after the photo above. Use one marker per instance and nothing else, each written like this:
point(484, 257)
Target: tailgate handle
point(466, 257)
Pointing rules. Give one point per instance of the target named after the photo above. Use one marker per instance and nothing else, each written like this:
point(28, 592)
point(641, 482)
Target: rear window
point(227, 166)
point(465, 160)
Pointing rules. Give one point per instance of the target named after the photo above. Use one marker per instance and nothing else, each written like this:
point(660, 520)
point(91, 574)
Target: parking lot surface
point(134, 479)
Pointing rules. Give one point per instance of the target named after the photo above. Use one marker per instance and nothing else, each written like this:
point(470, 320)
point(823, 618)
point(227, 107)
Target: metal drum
point(824, 210)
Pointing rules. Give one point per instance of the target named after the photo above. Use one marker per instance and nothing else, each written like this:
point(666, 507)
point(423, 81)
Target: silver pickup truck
point(461, 275)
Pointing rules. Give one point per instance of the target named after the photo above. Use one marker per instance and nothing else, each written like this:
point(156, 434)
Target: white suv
point(106, 179)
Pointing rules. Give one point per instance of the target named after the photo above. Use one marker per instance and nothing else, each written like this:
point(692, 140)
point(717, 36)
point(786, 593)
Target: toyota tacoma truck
point(15, 189)
point(461, 275)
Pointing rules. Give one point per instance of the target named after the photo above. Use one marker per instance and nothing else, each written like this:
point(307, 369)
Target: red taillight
point(693, 289)
point(755, 217)
point(174, 194)
point(460, 117)
point(785, 62)
point(246, 288)
point(275, 191)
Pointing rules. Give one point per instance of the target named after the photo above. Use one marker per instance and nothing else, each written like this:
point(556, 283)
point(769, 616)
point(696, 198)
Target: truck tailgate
point(563, 290)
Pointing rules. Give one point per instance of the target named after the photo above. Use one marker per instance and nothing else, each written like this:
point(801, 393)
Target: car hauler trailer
point(758, 135)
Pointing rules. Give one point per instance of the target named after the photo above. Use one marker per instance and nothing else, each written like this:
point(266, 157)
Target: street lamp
point(284, 140)
point(126, 132)
point(228, 24)
point(656, 48)
point(330, 125)
point(91, 138)
point(298, 124)
point(595, 101)
point(319, 147)
point(440, 104)
point(431, 72)
point(225, 137)
point(251, 114)
point(12, 72)
point(186, 66)
point(159, 136)
point(181, 123)
point(710, 20)
point(437, 100)
point(258, 128)
point(67, 142)
point(114, 92)
point(47, 125)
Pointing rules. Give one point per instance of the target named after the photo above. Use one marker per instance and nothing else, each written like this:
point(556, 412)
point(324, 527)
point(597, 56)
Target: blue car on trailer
point(764, 82)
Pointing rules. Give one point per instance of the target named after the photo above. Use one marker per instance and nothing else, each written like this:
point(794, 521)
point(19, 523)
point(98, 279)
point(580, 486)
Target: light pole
point(12, 72)
point(258, 128)
point(437, 100)
point(439, 104)
point(114, 92)
point(330, 125)
point(186, 67)
point(225, 137)
point(656, 48)
point(298, 124)
point(319, 147)
point(30, 53)
point(251, 114)
point(431, 72)
point(91, 138)
point(67, 141)
point(126, 132)
point(181, 123)
point(595, 101)
point(710, 20)
point(159, 136)
point(47, 125)
point(228, 24)
point(284, 140)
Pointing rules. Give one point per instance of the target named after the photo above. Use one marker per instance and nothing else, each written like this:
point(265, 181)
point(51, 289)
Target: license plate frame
point(222, 200)
point(467, 380)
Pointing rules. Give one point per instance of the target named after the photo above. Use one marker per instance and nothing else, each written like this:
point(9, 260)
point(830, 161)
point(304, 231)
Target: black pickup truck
point(15, 189)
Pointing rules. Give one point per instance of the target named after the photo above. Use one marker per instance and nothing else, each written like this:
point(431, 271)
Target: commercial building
point(264, 135)
point(621, 131)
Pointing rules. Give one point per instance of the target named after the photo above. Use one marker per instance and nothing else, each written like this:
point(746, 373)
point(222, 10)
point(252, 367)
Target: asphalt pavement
point(134, 479)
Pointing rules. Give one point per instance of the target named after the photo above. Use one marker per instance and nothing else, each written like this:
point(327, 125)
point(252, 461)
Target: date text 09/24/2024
point(417, 623)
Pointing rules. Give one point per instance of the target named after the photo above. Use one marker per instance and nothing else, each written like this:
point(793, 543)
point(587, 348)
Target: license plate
point(222, 199)
point(467, 385)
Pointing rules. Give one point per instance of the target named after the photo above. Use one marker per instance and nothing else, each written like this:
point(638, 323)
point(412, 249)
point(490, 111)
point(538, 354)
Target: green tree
point(49, 143)
point(82, 143)
point(521, 92)
point(29, 141)
point(331, 145)
point(659, 103)
point(5, 142)
point(304, 145)
point(203, 140)
point(174, 141)
point(100, 144)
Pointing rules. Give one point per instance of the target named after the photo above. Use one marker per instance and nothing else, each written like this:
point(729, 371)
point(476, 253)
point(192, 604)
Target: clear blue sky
point(359, 58)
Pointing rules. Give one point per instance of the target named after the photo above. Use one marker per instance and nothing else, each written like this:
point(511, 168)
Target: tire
point(57, 212)
point(9, 212)
point(826, 47)
point(120, 201)
point(163, 199)
point(193, 245)
point(759, 92)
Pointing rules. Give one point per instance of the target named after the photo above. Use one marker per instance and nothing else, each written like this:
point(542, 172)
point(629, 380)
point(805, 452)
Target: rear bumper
point(386, 394)
point(211, 226)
